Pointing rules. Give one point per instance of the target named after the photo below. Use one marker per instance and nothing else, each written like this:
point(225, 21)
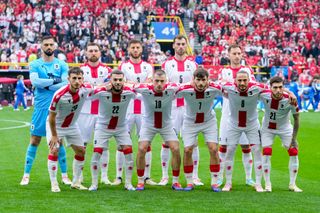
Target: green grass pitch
point(36, 197)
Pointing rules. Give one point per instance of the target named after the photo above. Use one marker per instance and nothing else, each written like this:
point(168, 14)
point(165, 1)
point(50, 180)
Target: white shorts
point(267, 136)
point(223, 132)
point(148, 132)
point(234, 134)
point(177, 114)
point(71, 135)
point(134, 119)
point(102, 136)
point(86, 123)
point(190, 132)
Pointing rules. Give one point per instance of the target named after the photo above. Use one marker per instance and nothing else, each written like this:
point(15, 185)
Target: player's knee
point(267, 151)
point(35, 140)
point(142, 149)
point(175, 149)
point(81, 151)
point(188, 150)
point(293, 151)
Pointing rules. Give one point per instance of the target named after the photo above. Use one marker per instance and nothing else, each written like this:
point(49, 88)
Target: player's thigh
point(102, 137)
point(38, 122)
point(210, 131)
point(253, 135)
point(168, 134)
point(189, 134)
point(72, 136)
point(233, 135)
point(286, 137)
point(130, 121)
point(267, 138)
point(147, 133)
point(122, 137)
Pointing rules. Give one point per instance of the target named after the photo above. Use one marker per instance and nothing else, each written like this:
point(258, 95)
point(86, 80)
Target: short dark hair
point(134, 41)
point(159, 72)
point(276, 79)
point(47, 37)
point(242, 72)
point(75, 70)
point(200, 72)
point(93, 44)
point(179, 37)
point(233, 46)
point(116, 72)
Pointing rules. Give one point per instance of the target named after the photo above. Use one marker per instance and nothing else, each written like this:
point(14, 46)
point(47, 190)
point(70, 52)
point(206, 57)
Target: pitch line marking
point(24, 124)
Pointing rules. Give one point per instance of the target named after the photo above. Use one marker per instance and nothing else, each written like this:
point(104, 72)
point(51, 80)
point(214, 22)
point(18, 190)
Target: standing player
point(47, 75)
point(228, 74)
point(199, 117)
point(61, 124)
point(276, 121)
point(157, 99)
point(135, 71)
point(95, 73)
point(112, 123)
point(179, 69)
point(243, 118)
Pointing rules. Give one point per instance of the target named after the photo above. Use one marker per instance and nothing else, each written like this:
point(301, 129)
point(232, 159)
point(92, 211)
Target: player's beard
point(117, 88)
point(93, 59)
point(181, 52)
point(132, 55)
point(48, 52)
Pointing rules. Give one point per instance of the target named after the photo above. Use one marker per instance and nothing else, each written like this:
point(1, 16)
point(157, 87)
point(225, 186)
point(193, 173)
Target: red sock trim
point(140, 172)
point(149, 149)
point(165, 146)
point(267, 151)
point(98, 150)
point(246, 151)
point(215, 168)
point(293, 151)
point(52, 158)
point(222, 149)
point(127, 151)
point(188, 169)
point(79, 158)
point(176, 173)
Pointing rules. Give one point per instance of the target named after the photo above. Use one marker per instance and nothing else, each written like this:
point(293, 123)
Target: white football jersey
point(243, 105)
point(68, 105)
point(137, 73)
point(199, 104)
point(228, 74)
point(158, 106)
point(179, 72)
point(94, 76)
point(113, 107)
point(277, 112)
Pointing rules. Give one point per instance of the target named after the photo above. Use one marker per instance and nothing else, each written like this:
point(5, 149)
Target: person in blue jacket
point(20, 88)
point(47, 75)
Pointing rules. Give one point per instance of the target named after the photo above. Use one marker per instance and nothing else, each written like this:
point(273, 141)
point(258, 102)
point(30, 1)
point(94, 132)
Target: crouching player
point(112, 123)
point(61, 123)
point(199, 117)
point(157, 99)
point(276, 121)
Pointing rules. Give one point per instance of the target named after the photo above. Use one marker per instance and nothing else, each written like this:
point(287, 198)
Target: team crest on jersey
point(56, 66)
point(124, 97)
point(267, 101)
point(208, 93)
point(250, 93)
point(82, 95)
point(69, 100)
point(191, 94)
point(100, 72)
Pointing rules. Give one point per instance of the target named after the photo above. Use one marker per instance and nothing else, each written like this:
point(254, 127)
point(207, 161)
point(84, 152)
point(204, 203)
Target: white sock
point(148, 159)
point(119, 163)
point(229, 162)
point(52, 168)
point(247, 164)
point(165, 152)
point(95, 167)
point(214, 172)
point(257, 162)
point(293, 169)
point(222, 156)
point(195, 157)
point(128, 164)
point(77, 167)
point(266, 165)
point(104, 163)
